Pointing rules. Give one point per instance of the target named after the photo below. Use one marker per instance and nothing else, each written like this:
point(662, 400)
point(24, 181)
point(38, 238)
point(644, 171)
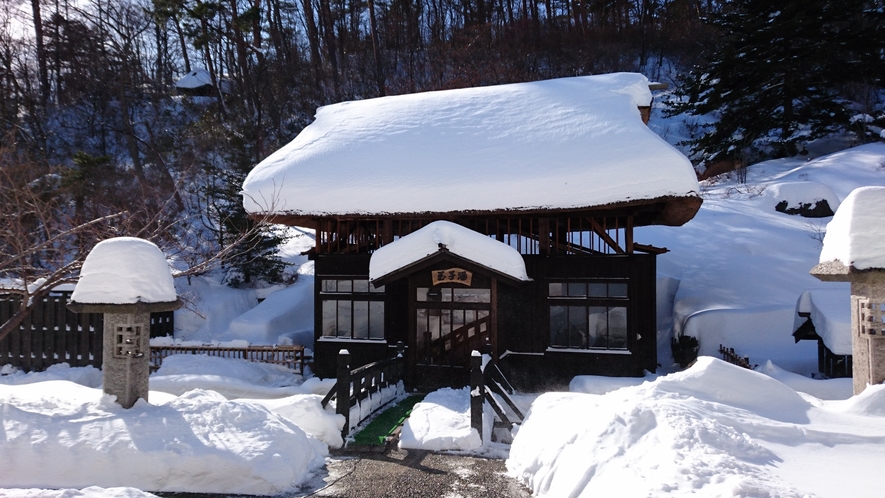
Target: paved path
point(414, 474)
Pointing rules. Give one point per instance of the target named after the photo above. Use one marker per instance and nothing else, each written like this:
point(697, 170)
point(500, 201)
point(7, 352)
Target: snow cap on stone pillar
point(123, 274)
point(854, 243)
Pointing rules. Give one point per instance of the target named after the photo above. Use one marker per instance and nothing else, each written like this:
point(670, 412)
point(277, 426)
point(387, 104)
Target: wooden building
point(500, 215)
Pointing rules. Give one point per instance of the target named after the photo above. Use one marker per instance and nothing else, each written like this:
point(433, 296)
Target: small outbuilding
point(502, 215)
point(823, 315)
point(854, 251)
point(198, 83)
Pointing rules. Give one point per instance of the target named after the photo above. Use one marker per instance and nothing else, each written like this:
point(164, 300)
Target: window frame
point(569, 298)
point(348, 299)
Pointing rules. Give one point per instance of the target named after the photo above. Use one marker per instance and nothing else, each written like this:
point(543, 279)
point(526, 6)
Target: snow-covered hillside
point(741, 265)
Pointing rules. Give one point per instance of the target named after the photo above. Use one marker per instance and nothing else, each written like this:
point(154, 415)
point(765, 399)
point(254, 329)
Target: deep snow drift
point(60, 434)
point(712, 430)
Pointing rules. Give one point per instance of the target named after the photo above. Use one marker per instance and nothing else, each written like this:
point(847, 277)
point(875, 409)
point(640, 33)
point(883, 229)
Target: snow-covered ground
point(211, 425)
point(712, 430)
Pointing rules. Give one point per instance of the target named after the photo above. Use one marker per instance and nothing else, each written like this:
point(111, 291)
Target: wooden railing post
point(477, 392)
point(342, 405)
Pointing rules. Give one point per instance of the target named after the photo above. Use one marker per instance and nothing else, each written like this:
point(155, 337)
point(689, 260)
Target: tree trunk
point(329, 35)
point(313, 40)
point(41, 51)
point(376, 49)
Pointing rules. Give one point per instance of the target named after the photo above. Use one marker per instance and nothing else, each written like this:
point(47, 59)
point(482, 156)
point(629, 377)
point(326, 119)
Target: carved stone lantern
point(126, 279)
point(854, 251)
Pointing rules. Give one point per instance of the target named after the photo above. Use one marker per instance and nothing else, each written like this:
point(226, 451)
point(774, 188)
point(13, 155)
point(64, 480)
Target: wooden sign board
point(452, 276)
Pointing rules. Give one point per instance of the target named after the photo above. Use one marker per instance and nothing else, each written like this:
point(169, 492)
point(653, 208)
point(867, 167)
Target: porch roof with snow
point(445, 239)
point(566, 144)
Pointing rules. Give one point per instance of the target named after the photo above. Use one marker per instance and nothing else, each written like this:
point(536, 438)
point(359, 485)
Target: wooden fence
point(291, 357)
point(53, 334)
point(730, 356)
point(363, 387)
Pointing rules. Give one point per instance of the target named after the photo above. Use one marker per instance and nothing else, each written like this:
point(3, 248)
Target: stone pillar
point(868, 331)
point(867, 323)
point(126, 279)
point(126, 363)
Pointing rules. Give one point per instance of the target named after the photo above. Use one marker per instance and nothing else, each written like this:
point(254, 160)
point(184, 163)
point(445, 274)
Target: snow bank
point(441, 422)
point(211, 307)
point(713, 430)
point(830, 312)
point(871, 402)
point(714, 380)
point(307, 412)
point(125, 270)
point(273, 386)
point(458, 240)
point(90, 492)
point(231, 377)
point(199, 442)
point(561, 143)
point(85, 376)
point(287, 312)
point(182, 372)
point(856, 236)
point(820, 388)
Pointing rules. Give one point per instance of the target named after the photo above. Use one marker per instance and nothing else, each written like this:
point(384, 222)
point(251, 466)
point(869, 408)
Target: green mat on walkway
point(384, 424)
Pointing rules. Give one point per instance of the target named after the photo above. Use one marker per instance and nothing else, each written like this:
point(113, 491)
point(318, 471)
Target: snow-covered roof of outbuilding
point(124, 271)
point(453, 239)
point(567, 143)
point(194, 79)
point(855, 238)
point(199, 78)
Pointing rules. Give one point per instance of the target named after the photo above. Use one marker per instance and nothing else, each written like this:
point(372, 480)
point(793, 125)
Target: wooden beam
point(605, 236)
point(650, 249)
point(628, 235)
point(543, 236)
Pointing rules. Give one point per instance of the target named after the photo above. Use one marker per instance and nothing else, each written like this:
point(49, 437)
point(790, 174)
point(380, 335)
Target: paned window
point(352, 309)
point(588, 314)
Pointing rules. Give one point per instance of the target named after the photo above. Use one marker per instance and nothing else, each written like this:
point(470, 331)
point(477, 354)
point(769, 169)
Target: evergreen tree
point(255, 255)
point(779, 75)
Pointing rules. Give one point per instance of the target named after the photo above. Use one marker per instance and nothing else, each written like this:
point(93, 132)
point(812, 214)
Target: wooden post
point(342, 405)
point(477, 392)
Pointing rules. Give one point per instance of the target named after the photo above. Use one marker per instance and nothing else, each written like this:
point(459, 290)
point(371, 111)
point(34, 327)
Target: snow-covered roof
point(457, 240)
point(830, 312)
point(856, 235)
point(125, 270)
point(194, 79)
point(199, 78)
point(564, 143)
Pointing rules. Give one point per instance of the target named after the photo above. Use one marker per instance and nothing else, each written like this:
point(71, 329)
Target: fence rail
point(364, 389)
point(291, 357)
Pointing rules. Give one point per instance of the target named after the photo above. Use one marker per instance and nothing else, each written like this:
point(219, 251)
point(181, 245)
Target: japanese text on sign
point(452, 275)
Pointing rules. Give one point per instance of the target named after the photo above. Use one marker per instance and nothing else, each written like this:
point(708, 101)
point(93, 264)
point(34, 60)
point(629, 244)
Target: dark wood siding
point(523, 319)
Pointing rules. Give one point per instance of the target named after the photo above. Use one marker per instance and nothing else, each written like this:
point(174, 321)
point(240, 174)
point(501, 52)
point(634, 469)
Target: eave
point(666, 210)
